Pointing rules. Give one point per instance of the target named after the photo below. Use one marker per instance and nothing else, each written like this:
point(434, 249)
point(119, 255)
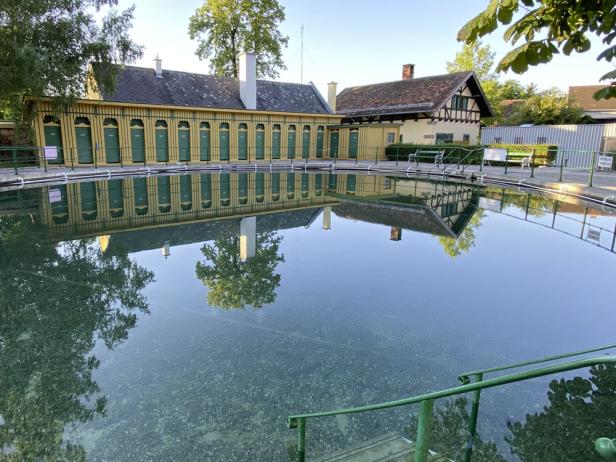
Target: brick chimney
point(158, 68)
point(408, 71)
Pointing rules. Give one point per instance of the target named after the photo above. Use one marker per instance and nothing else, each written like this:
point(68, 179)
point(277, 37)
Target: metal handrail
point(465, 376)
point(425, 417)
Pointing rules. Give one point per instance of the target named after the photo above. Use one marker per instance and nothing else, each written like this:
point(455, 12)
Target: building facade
point(155, 116)
point(430, 110)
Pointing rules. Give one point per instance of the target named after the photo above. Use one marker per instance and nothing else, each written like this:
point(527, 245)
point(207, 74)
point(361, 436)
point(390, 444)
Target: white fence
point(576, 143)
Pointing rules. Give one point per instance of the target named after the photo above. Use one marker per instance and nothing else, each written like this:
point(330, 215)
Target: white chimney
point(331, 95)
point(248, 80)
point(159, 67)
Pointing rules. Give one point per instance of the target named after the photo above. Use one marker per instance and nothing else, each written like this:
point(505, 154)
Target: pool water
point(186, 317)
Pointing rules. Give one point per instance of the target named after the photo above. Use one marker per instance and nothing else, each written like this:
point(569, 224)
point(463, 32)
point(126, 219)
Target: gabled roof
point(417, 95)
point(582, 95)
point(140, 85)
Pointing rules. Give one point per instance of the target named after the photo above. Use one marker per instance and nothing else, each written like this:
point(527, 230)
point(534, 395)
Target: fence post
point(506, 163)
point(472, 426)
point(301, 440)
point(424, 431)
point(560, 176)
point(532, 164)
point(376, 155)
point(397, 154)
point(592, 168)
point(45, 159)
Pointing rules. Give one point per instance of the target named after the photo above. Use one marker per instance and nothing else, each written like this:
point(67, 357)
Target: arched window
point(83, 137)
point(242, 141)
point(184, 141)
point(53, 137)
point(306, 142)
point(162, 141)
point(111, 138)
point(137, 141)
point(291, 142)
point(204, 141)
point(260, 141)
point(223, 141)
point(276, 141)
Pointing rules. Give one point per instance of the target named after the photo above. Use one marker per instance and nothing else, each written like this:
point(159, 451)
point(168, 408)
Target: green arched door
point(115, 194)
point(260, 142)
point(83, 137)
point(140, 191)
point(184, 141)
point(223, 141)
point(204, 141)
point(53, 137)
point(137, 141)
point(333, 144)
point(242, 142)
point(242, 188)
point(186, 199)
point(161, 134)
point(225, 189)
point(112, 141)
point(164, 194)
point(87, 193)
point(276, 142)
point(320, 141)
point(291, 142)
point(306, 142)
point(353, 143)
point(206, 190)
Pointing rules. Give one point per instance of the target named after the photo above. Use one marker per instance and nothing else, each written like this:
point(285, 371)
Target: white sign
point(51, 152)
point(55, 195)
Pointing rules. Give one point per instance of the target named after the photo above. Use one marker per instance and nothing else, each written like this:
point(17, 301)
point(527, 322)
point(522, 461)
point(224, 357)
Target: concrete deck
point(574, 181)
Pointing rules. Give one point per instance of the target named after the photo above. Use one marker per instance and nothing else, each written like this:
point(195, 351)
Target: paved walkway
point(573, 180)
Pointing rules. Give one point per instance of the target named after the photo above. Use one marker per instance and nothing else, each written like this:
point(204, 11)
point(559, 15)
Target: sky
point(355, 42)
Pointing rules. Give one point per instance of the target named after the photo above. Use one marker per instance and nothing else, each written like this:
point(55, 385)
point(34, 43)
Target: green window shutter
point(333, 144)
point(306, 142)
point(164, 194)
point(53, 137)
point(140, 191)
point(242, 142)
point(206, 190)
point(186, 198)
point(260, 142)
point(353, 143)
point(115, 193)
point(87, 193)
point(320, 141)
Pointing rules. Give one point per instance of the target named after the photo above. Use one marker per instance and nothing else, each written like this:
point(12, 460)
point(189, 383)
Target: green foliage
point(450, 434)
point(550, 107)
point(57, 301)
point(474, 57)
point(546, 28)
point(46, 46)
point(235, 284)
point(454, 247)
point(580, 411)
point(453, 152)
point(225, 28)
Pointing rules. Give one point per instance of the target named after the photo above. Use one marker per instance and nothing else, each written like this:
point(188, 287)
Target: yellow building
point(156, 116)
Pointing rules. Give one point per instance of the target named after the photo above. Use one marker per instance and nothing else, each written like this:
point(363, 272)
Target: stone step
point(390, 447)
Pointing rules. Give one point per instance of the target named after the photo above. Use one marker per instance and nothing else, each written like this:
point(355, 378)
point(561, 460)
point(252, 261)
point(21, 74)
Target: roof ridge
point(411, 80)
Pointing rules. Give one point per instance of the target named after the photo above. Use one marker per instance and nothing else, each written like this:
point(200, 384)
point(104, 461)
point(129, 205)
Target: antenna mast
point(301, 72)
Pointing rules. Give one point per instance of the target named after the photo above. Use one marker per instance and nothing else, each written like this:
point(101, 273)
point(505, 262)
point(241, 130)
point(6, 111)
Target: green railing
point(424, 428)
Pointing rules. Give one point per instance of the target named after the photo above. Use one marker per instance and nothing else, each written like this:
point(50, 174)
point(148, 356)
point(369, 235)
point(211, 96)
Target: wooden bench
point(502, 155)
point(605, 162)
point(419, 153)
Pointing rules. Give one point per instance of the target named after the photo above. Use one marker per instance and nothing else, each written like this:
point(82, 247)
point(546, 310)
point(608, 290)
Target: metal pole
point(424, 431)
point(14, 156)
point(562, 157)
point(376, 155)
point(532, 164)
point(472, 426)
point(301, 440)
point(614, 238)
point(506, 163)
point(592, 168)
point(44, 160)
point(397, 154)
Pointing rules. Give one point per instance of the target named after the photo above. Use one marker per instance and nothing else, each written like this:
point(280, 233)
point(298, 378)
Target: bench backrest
point(495, 154)
point(605, 162)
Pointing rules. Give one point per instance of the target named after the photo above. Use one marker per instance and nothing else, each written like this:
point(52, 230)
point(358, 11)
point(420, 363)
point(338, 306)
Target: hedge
point(545, 154)
point(453, 152)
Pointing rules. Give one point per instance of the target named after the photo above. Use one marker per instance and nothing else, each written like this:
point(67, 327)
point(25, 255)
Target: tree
point(546, 28)
point(56, 302)
point(225, 28)
point(549, 107)
point(474, 57)
point(46, 45)
point(235, 284)
point(580, 410)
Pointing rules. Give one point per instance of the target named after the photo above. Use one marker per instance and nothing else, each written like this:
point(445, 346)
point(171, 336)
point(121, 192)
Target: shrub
point(545, 154)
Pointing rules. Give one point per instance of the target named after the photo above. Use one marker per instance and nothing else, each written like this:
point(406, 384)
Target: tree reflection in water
point(56, 302)
point(454, 247)
point(235, 284)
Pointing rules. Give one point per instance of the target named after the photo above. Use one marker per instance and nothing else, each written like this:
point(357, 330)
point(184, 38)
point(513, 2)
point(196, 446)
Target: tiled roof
point(140, 85)
point(582, 95)
point(417, 95)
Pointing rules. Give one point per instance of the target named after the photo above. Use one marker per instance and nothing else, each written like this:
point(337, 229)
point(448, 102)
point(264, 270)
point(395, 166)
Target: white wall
point(424, 132)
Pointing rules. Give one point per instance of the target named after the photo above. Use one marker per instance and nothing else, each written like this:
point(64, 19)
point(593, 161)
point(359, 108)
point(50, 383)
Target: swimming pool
point(185, 317)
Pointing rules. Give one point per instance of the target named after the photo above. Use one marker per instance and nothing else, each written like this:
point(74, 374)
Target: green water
point(111, 351)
